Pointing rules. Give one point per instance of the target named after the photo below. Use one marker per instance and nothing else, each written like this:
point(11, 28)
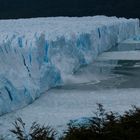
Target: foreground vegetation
point(108, 126)
point(103, 126)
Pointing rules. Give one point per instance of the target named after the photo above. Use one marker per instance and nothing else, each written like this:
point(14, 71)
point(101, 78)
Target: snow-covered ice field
point(61, 62)
point(40, 53)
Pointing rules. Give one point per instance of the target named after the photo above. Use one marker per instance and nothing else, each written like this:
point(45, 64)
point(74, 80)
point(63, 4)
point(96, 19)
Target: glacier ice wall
point(37, 54)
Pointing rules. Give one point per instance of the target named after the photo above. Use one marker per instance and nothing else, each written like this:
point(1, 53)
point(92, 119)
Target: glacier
point(40, 53)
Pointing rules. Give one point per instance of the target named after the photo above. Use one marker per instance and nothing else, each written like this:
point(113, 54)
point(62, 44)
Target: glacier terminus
point(40, 53)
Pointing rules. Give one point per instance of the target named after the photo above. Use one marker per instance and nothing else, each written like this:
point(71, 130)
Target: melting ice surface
point(37, 54)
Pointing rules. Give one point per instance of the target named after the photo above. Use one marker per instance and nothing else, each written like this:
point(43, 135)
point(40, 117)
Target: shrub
point(102, 126)
point(36, 132)
point(107, 126)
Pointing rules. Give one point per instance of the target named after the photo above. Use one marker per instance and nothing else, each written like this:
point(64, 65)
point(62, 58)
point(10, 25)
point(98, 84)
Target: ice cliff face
point(37, 54)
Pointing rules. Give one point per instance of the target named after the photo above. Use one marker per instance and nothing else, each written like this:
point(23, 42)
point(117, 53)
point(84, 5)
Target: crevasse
point(38, 54)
